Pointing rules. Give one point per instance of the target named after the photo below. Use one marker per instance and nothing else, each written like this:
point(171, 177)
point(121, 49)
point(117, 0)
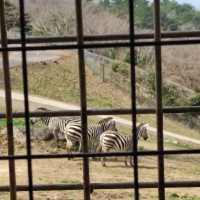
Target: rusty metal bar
point(9, 116)
point(105, 186)
point(93, 112)
point(83, 98)
point(103, 45)
point(26, 99)
point(133, 95)
point(110, 154)
point(159, 111)
point(106, 37)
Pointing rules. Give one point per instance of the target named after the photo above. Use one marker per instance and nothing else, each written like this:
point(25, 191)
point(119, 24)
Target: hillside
point(60, 80)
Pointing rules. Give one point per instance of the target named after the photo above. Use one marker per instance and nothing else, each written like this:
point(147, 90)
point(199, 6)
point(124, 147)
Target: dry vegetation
point(70, 171)
point(181, 65)
point(59, 80)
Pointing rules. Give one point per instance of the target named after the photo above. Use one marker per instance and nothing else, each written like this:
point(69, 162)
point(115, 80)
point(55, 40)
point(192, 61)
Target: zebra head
point(108, 124)
point(34, 120)
point(142, 131)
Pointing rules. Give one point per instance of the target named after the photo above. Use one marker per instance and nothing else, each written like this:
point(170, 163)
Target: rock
point(17, 133)
point(40, 134)
point(36, 134)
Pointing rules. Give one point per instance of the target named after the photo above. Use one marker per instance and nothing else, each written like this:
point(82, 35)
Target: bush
point(12, 16)
point(120, 68)
point(195, 100)
point(170, 95)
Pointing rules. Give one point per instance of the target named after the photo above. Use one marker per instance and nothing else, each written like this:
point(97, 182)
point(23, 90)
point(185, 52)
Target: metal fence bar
point(110, 154)
point(26, 99)
point(102, 45)
point(9, 116)
point(107, 37)
point(105, 186)
point(159, 112)
point(93, 112)
point(83, 103)
point(133, 94)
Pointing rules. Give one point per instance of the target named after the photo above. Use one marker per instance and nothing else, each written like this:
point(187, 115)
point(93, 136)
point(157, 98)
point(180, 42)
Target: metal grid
point(81, 42)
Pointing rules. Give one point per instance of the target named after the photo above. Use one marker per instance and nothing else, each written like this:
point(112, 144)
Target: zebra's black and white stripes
point(56, 125)
point(114, 141)
point(73, 133)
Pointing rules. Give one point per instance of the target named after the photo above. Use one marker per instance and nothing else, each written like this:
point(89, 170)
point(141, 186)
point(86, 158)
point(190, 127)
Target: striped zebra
point(114, 141)
point(73, 133)
point(56, 125)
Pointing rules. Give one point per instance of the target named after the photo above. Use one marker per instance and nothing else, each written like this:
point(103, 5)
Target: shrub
point(170, 95)
point(120, 68)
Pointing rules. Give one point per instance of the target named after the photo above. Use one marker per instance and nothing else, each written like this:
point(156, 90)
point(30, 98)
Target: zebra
point(55, 124)
point(114, 141)
point(73, 133)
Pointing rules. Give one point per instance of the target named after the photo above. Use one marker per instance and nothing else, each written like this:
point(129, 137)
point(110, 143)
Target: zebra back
point(112, 140)
point(94, 132)
point(56, 124)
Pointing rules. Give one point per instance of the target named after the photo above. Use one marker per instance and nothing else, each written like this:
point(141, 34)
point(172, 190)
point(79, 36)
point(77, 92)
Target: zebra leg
point(68, 146)
point(55, 133)
point(125, 161)
point(103, 161)
point(80, 146)
point(131, 161)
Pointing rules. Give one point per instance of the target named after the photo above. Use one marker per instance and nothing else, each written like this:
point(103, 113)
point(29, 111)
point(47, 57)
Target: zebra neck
point(45, 120)
point(138, 133)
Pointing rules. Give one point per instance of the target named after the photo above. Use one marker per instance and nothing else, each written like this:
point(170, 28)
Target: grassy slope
point(59, 80)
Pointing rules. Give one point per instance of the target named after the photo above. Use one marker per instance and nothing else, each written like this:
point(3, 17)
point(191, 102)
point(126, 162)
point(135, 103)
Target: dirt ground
point(64, 171)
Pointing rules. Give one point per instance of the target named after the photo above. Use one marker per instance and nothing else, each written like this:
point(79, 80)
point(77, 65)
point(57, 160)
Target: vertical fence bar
point(159, 107)
point(26, 99)
point(9, 115)
point(83, 103)
point(133, 94)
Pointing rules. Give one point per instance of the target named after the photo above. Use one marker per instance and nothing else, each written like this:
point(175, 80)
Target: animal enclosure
point(87, 187)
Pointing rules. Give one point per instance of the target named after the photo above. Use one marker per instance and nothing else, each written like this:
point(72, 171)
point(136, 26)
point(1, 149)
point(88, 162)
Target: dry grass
point(181, 65)
point(60, 80)
point(64, 171)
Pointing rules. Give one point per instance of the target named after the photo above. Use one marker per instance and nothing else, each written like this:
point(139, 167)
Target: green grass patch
point(175, 196)
point(19, 123)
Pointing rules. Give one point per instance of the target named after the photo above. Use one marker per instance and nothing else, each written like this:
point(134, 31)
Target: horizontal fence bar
point(93, 112)
point(102, 186)
point(102, 45)
point(108, 154)
point(108, 37)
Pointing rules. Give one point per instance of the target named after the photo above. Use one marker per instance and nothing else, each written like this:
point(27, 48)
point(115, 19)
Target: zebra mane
point(107, 119)
point(42, 109)
point(144, 125)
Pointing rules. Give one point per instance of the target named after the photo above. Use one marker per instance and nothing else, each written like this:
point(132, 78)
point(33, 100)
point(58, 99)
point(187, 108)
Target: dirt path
point(15, 58)
point(61, 105)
